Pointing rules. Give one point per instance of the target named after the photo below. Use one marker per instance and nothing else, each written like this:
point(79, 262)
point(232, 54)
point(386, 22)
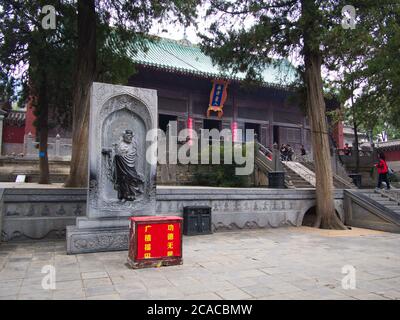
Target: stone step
point(373, 194)
point(297, 181)
point(369, 191)
point(300, 180)
point(394, 208)
point(377, 198)
point(386, 202)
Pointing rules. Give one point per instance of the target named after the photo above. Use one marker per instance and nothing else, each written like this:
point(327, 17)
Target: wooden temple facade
point(181, 74)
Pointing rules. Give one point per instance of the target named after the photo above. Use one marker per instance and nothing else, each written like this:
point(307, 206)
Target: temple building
point(184, 78)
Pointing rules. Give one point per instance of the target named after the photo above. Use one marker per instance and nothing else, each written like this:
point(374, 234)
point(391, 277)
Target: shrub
point(222, 175)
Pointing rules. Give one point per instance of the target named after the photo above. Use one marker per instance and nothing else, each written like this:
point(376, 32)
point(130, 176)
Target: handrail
point(262, 160)
point(363, 153)
point(389, 215)
point(267, 151)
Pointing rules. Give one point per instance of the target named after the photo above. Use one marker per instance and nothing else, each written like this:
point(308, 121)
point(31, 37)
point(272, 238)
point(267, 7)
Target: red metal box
point(155, 241)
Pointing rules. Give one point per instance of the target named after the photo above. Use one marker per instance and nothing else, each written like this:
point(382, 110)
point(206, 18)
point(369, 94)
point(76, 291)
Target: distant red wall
point(12, 134)
point(392, 155)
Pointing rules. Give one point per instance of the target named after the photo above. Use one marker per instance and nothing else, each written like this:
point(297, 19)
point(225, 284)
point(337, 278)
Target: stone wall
point(11, 167)
point(36, 214)
point(241, 208)
point(45, 213)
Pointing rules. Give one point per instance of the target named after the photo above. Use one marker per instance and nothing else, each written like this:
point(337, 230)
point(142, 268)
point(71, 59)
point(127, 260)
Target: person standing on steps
point(303, 151)
point(382, 171)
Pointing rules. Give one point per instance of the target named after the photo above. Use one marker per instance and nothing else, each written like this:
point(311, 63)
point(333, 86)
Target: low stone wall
point(240, 208)
point(37, 214)
point(10, 167)
point(45, 213)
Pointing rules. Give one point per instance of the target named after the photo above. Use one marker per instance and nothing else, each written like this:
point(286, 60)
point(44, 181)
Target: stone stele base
point(96, 240)
point(98, 235)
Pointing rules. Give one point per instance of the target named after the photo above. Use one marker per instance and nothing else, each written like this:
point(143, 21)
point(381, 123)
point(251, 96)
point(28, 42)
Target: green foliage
point(222, 175)
point(366, 63)
point(27, 51)
point(7, 87)
point(30, 53)
point(219, 176)
point(395, 177)
point(248, 33)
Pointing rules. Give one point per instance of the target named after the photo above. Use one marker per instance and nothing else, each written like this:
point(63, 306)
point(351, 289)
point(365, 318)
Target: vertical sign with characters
point(218, 97)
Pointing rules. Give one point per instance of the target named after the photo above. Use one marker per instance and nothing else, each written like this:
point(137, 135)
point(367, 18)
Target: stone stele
point(122, 167)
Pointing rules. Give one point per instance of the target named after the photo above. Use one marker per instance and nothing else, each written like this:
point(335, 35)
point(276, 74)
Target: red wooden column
point(338, 135)
point(30, 118)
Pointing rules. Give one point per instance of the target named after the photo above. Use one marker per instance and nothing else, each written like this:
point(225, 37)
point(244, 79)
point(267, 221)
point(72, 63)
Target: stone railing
point(57, 148)
point(349, 152)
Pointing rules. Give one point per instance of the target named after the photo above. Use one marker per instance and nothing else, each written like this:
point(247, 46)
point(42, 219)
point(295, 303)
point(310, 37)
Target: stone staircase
point(372, 209)
point(263, 161)
point(385, 199)
point(339, 181)
point(296, 180)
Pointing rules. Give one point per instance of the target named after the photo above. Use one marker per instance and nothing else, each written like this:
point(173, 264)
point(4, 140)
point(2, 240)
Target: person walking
point(382, 171)
point(290, 153)
point(303, 152)
point(283, 151)
point(347, 150)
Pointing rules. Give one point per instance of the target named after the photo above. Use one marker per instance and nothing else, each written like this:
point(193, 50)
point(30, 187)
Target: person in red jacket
point(382, 171)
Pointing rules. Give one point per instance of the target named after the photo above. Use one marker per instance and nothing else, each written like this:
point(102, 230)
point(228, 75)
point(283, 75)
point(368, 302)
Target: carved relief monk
point(122, 162)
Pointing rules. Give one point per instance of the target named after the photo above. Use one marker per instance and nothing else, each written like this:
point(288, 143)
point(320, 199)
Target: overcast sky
point(177, 31)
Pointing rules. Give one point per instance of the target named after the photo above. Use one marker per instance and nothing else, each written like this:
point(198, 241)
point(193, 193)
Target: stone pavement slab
point(284, 263)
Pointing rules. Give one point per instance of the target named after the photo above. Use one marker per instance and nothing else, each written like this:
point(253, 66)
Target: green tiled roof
point(182, 56)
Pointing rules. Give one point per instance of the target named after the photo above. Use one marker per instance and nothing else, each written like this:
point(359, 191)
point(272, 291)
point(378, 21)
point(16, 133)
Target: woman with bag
point(382, 171)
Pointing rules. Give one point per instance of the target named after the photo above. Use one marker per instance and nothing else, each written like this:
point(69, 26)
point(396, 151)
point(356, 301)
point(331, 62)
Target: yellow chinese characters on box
point(155, 241)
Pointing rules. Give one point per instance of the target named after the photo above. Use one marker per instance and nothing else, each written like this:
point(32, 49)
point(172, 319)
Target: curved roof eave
point(207, 74)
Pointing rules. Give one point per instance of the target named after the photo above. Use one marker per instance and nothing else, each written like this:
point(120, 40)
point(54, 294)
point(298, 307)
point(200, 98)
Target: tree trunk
point(42, 130)
point(325, 208)
point(84, 77)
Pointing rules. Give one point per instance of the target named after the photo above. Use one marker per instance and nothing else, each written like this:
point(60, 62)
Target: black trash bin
point(276, 180)
point(356, 177)
point(196, 220)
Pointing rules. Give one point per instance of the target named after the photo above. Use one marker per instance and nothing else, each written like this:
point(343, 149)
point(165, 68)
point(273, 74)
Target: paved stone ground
point(285, 263)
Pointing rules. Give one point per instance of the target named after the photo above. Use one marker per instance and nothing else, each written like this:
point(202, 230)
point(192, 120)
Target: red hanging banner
point(218, 97)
